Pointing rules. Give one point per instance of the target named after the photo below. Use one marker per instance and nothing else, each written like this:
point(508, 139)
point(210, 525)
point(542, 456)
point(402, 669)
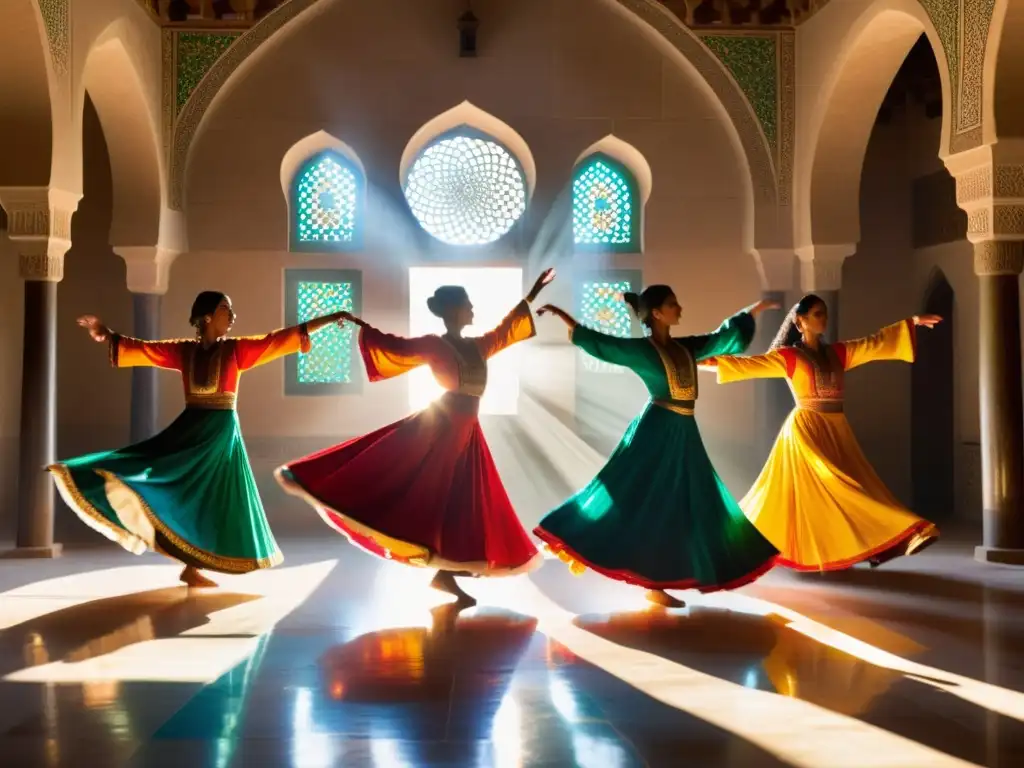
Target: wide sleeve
point(736, 368)
point(386, 355)
point(515, 327)
point(610, 349)
point(731, 338)
point(894, 342)
point(251, 351)
point(126, 352)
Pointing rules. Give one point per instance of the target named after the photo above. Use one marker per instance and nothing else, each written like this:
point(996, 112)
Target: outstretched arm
point(894, 342)
point(126, 352)
point(251, 351)
point(737, 368)
point(610, 349)
point(386, 355)
point(732, 337)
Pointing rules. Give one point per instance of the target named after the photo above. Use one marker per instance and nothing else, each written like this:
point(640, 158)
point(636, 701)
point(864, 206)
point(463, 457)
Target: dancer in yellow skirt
point(818, 500)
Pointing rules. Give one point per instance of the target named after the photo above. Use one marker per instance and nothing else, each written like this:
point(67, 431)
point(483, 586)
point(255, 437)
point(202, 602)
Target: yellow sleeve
point(386, 355)
point(515, 327)
point(894, 342)
point(737, 368)
point(126, 352)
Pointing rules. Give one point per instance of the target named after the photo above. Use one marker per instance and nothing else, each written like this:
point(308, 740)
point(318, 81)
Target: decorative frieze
point(56, 20)
point(39, 224)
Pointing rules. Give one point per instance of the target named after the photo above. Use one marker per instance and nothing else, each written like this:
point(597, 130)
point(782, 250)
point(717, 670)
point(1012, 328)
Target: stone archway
point(764, 180)
point(836, 126)
point(1003, 82)
point(25, 95)
point(129, 127)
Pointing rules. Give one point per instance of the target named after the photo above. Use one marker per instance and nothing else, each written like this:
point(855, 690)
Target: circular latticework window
point(465, 190)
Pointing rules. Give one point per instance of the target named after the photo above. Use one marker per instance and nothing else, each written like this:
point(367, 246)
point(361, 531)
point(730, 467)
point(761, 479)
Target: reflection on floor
point(336, 659)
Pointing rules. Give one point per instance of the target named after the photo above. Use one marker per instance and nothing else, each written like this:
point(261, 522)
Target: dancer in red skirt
point(424, 491)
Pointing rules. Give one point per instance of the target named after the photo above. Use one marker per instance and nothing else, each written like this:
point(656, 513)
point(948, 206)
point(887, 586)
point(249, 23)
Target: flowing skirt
point(188, 492)
point(423, 491)
point(820, 502)
point(658, 516)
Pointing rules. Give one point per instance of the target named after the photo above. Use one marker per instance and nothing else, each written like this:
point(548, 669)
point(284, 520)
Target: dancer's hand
point(352, 319)
point(928, 321)
point(95, 327)
point(545, 277)
point(764, 305)
point(561, 314)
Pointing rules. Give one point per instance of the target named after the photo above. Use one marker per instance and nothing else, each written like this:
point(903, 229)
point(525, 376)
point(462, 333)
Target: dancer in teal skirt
point(188, 492)
point(657, 515)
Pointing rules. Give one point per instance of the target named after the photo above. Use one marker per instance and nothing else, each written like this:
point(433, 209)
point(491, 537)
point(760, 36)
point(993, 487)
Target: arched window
point(606, 207)
point(327, 204)
point(465, 188)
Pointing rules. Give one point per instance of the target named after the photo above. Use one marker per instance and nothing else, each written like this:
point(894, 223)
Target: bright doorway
point(494, 291)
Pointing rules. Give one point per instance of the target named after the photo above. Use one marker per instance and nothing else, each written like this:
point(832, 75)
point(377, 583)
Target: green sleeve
point(610, 349)
point(731, 338)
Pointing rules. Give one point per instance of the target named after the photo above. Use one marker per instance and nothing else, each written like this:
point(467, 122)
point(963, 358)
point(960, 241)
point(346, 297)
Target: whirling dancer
point(657, 515)
point(424, 491)
point(187, 492)
point(818, 500)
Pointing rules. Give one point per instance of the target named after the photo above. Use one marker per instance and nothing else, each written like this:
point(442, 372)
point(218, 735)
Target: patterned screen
point(465, 190)
point(326, 203)
point(602, 206)
point(602, 308)
point(329, 361)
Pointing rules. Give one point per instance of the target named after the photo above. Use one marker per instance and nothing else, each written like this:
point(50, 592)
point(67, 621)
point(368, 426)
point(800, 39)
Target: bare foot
point(444, 581)
point(663, 598)
point(194, 578)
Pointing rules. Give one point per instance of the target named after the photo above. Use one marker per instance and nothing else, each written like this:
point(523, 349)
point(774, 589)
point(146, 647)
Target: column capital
point(39, 223)
point(821, 266)
point(148, 267)
point(998, 257)
point(990, 190)
point(776, 268)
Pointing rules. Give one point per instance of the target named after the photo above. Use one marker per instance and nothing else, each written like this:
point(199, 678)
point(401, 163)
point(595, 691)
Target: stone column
point(773, 400)
point(990, 189)
point(821, 273)
point(39, 225)
point(148, 270)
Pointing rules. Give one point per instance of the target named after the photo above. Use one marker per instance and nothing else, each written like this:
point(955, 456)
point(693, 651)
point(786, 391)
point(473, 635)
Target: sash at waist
point(456, 402)
point(682, 407)
point(221, 401)
point(820, 406)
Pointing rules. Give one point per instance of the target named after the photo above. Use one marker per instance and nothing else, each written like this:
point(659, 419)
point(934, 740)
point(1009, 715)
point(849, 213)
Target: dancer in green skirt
point(188, 492)
point(657, 515)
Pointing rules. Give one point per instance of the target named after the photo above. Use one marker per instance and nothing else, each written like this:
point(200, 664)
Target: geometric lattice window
point(466, 189)
point(330, 366)
point(605, 206)
point(599, 306)
point(327, 204)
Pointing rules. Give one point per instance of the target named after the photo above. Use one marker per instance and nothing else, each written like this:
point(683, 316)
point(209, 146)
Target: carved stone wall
point(56, 19)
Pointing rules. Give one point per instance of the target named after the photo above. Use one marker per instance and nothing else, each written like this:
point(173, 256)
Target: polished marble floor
point(337, 659)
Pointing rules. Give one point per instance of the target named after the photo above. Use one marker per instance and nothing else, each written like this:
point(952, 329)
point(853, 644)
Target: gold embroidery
point(828, 372)
point(820, 405)
point(91, 516)
point(472, 366)
point(680, 370)
point(221, 401)
point(207, 559)
point(683, 408)
point(212, 382)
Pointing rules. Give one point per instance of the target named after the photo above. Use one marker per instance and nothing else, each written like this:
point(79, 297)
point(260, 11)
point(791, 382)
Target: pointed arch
point(468, 115)
point(130, 128)
point(25, 96)
point(324, 182)
point(611, 183)
point(467, 177)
